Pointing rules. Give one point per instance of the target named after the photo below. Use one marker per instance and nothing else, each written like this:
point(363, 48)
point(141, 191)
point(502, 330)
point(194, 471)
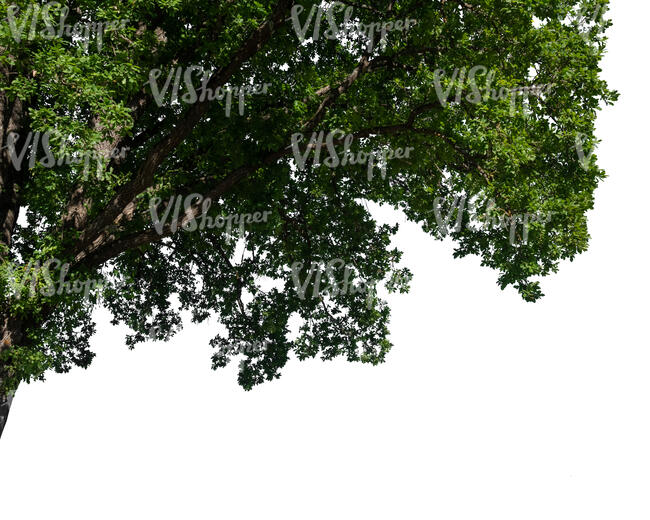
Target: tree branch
point(123, 204)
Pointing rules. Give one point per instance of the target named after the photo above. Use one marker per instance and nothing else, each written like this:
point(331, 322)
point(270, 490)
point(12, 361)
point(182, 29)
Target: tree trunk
point(10, 333)
point(11, 120)
point(5, 405)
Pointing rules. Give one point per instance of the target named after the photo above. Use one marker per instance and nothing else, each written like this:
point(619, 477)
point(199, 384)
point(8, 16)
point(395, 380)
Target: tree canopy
point(164, 156)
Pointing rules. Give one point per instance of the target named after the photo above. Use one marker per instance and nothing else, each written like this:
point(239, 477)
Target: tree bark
point(11, 332)
point(5, 405)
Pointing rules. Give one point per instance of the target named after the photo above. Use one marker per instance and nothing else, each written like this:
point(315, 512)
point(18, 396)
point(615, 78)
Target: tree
point(162, 156)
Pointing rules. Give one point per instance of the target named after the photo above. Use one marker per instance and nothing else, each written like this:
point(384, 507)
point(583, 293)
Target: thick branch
point(123, 204)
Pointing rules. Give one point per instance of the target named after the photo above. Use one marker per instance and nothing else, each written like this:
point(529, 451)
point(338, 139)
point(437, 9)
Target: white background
point(488, 407)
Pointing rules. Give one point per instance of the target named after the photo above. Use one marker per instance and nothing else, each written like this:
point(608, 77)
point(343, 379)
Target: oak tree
point(115, 115)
